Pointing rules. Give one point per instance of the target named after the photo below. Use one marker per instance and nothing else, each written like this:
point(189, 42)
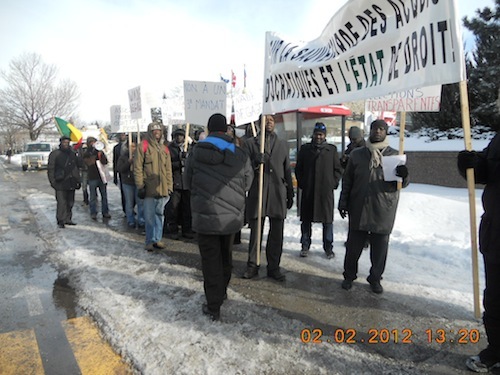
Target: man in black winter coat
point(218, 173)
point(64, 177)
point(486, 165)
point(371, 203)
point(178, 208)
point(318, 173)
point(277, 198)
point(356, 140)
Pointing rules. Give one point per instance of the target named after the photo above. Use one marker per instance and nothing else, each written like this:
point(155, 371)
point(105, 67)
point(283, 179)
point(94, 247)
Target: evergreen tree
point(483, 70)
point(484, 65)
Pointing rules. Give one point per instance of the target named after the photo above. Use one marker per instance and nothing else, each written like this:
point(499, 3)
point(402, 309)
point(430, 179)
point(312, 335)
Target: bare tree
point(33, 95)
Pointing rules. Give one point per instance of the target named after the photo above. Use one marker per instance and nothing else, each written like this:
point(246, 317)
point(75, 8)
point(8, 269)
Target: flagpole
point(464, 102)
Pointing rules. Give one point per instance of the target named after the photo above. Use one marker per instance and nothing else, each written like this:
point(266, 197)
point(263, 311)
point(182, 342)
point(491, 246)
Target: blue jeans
point(131, 198)
point(305, 239)
point(153, 217)
point(93, 185)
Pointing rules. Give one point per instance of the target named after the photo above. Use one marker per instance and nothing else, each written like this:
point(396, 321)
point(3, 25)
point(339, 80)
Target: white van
point(36, 155)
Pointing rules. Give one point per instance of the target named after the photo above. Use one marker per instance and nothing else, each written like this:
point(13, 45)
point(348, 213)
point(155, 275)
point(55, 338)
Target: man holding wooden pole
point(486, 170)
point(269, 157)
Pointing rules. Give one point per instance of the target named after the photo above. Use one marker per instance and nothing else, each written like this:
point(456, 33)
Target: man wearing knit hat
point(90, 158)
point(218, 174)
point(153, 178)
point(371, 203)
point(64, 177)
point(318, 173)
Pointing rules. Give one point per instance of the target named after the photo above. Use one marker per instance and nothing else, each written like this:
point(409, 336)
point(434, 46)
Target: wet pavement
point(402, 329)
point(35, 299)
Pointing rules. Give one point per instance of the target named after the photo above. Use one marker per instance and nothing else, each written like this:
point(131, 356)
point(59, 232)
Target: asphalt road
point(420, 331)
point(42, 329)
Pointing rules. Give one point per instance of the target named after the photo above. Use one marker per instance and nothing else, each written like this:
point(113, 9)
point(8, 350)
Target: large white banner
point(203, 99)
point(425, 99)
point(369, 48)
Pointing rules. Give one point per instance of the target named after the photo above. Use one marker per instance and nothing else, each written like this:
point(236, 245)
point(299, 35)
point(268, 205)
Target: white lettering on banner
point(381, 46)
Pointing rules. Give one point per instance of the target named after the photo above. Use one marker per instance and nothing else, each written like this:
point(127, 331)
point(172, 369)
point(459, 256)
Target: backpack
point(145, 146)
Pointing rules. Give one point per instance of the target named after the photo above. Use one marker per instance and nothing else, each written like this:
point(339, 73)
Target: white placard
point(115, 112)
point(425, 99)
point(389, 164)
point(203, 99)
point(247, 107)
point(135, 103)
point(369, 48)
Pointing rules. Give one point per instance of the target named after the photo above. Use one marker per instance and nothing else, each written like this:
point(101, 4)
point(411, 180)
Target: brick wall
point(435, 168)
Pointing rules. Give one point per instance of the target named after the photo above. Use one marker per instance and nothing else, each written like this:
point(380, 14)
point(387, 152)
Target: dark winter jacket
point(350, 147)
point(218, 174)
point(178, 157)
point(370, 201)
point(117, 152)
point(277, 186)
point(90, 157)
point(62, 170)
point(318, 173)
point(125, 168)
point(153, 168)
point(487, 172)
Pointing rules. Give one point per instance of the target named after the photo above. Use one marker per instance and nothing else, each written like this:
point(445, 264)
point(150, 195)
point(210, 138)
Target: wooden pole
point(254, 131)
point(464, 101)
point(402, 125)
point(186, 138)
point(261, 185)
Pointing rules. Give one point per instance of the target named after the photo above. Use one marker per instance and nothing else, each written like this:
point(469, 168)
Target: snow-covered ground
point(150, 307)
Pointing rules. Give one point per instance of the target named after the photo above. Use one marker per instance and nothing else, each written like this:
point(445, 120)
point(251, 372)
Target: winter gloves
point(141, 193)
point(466, 159)
point(402, 171)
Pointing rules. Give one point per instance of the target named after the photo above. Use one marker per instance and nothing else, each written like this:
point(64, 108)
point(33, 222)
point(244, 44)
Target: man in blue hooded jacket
point(218, 174)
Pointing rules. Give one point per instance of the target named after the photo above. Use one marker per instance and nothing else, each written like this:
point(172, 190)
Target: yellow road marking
point(93, 354)
point(19, 353)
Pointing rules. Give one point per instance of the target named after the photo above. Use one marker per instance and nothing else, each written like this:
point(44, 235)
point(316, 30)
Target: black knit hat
point(64, 138)
point(217, 123)
point(379, 124)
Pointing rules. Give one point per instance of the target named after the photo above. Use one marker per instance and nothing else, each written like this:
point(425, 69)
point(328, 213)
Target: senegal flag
point(69, 130)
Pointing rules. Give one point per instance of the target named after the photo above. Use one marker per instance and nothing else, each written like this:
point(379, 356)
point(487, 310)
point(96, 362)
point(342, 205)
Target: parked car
point(36, 155)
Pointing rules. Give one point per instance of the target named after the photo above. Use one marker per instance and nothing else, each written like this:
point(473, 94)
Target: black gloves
point(289, 203)
point(289, 197)
point(115, 180)
point(466, 159)
point(343, 213)
point(262, 158)
point(141, 193)
point(402, 171)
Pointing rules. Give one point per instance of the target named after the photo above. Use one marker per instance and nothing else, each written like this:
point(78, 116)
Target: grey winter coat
point(277, 187)
point(318, 173)
point(370, 201)
point(218, 174)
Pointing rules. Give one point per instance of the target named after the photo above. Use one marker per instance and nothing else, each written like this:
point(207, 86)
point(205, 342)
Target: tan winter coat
point(153, 167)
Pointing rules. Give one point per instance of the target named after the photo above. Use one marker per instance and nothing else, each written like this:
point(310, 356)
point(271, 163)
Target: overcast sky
point(110, 46)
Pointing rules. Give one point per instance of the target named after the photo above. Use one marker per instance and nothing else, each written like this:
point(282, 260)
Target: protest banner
point(368, 49)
